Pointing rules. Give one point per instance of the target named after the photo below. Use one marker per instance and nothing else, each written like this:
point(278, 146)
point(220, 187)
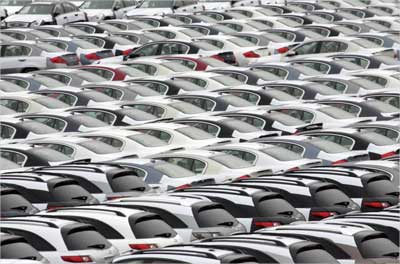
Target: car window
point(273, 206)
point(281, 154)
point(84, 237)
point(341, 140)
point(377, 139)
point(65, 80)
point(15, 105)
point(151, 109)
point(194, 165)
point(297, 92)
point(55, 123)
point(125, 182)
point(147, 140)
point(380, 187)
point(336, 113)
point(151, 226)
point(308, 48)
point(69, 8)
point(174, 48)
point(66, 150)
point(14, 50)
point(330, 196)
point(313, 254)
point(69, 191)
point(164, 136)
point(7, 132)
point(114, 93)
point(173, 171)
point(213, 216)
point(327, 146)
point(105, 117)
point(194, 133)
point(38, 242)
point(375, 245)
point(244, 155)
point(209, 128)
point(19, 249)
point(98, 147)
point(230, 161)
point(304, 116)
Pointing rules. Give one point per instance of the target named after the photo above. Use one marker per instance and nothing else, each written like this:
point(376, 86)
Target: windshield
point(226, 80)
point(137, 114)
point(366, 43)
point(286, 119)
point(90, 77)
point(305, 70)
point(236, 101)
point(50, 102)
point(97, 96)
point(98, 147)
point(7, 164)
point(191, 33)
point(281, 154)
point(37, 127)
point(366, 84)
point(323, 89)
point(239, 125)
point(264, 75)
point(205, 45)
point(173, 171)
point(175, 66)
point(87, 121)
point(157, 4)
point(377, 139)
point(327, 146)
point(187, 108)
point(132, 72)
point(214, 62)
point(335, 112)
point(37, 9)
point(49, 154)
point(382, 106)
point(289, 22)
point(84, 44)
point(194, 133)
point(241, 42)
point(231, 162)
point(147, 140)
point(348, 65)
point(187, 86)
point(280, 95)
point(97, 4)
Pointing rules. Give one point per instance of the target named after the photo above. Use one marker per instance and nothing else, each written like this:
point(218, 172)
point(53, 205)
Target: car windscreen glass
point(382, 106)
point(213, 216)
point(97, 4)
point(226, 80)
point(142, 90)
point(36, 9)
point(84, 44)
point(264, 75)
point(15, 2)
point(205, 45)
point(214, 62)
point(289, 22)
point(48, 82)
point(377, 139)
point(137, 115)
point(37, 127)
point(311, 34)
point(366, 84)
point(306, 70)
point(191, 33)
point(231, 162)
point(336, 113)
point(151, 227)
point(85, 238)
point(147, 140)
point(49, 154)
point(87, 121)
point(127, 182)
point(50, 103)
point(241, 42)
point(280, 95)
point(224, 29)
point(175, 66)
point(314, 254)
point(328, 146)
point(377, 246)
point(286, 119)
point(132, 72)
point(348, 65)
point(90, 77)
point(19, 249)
point(173, 171)
point(379, 187)
point(239, 125)
point(49, 48)
point(69, 191)
point(97, 96)
point(14, 201)
point(331, 196)
point(8, 164)
point(9, 87)
point(365, 43)
point(324, 90)
point(236, 101)
point(98, 147)
point(187, 86)
point(274, 206)
point(194, 133)
point(281, 154)
point(187, 108)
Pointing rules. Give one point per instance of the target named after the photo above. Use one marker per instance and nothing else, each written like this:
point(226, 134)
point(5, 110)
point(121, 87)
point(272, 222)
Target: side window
point(21, 83)
point(196, 81)
point(114, 93)
point(244, 155)
point(60, 45)
point(149, 69)
point(344, 141)
point(379, 80)
point(14, 51)
point(207, 105)
point(17, 106)
point(148, 50)
point(59, 77)
point(341, 87)
point(87, 29)
point(58, 10)
point(132, 38)
point(65, 98)
point(62, 148)
point(251, 97)
point(15, 35)
point(151, 109)
point(110, 141)
point(287, 35)
point(332, 46)
point(321, 67)
point(294, 91)
point(308, 48)
point(214, 42)
point(101, 72)
point(193, 165)
point(292, 147)
point(209, 128)
point(15, 157)
point(202, 30)
point(102, 116)
point(348, 108)
point(164, 33)
point(174, 48)
point(240, 77)
point(7, 132)
point(275, 71)
point(68, 8)
point(234, 26)
point(251, 39)
point(356, 60)
point(257, 122)
point(36, 241)
point(299, 114)
point(158, 87)
point(157, 133)
point(51, 122)
point(190, 64)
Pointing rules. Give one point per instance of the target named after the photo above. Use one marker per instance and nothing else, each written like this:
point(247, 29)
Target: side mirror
point(115, 8)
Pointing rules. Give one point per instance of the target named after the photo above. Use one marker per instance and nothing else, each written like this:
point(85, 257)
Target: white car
point(258, 154)
point(127, 229)
point(39, 13)
point(98, 10)
point(32, 103)
point(62, 241)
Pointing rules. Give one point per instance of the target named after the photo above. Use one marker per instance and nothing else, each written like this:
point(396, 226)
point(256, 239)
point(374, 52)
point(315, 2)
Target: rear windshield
point(14, 201)
point(274, 206)
point(194, 133)
point(380, 187)
point(88, 121)
point(97, 96)
point(47, 81)
point(173, 171)
point(305, 70)
point(377, 139)
point(187, 86)
point(286, 119)
point(280, 95)
point(187, 108)
point(9, 87)
point(324, 90)
point(328, 146)
point(19, 250)
point(313, 255)
point(175, 66)
point(241, 42)
point(331, 196)
point(336, 113)
point(191, 33)
point(84, 44)
point(50, 102)
point(226, 80)
point(147, 140)
point(98, 147)
point(90, 77)
point(137, 114)
point(281, 154)
point(366, 43)
point(85, 238)
point(70, 192)
point(37, 127)
point(264, 75)
point(204, 45)
point(127, 182)
point(231, 162)
point(236, 101)
point(214, 62)
point(132, 72)
point(348, 65)
point(377, 246)
point(382, 106)
point(366, 84)
point(48, 47)
point(239, 125)
point(8, 164)
point(213, 216)
point(152, 227)
point(49, 154)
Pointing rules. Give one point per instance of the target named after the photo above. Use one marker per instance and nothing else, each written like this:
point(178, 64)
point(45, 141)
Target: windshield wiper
point(20, 208)
point(164, 235)
point(344, 203)
point(391, 254)
point(82, 198)
point(226, 224)
point(99, 246)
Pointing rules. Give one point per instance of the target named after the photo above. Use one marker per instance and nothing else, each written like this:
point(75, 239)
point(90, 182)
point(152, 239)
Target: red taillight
point(127, 52)
point(92, 56)
point(243, 177)
point(389, 154)
point(58, 60)
point(266, 224)
point(251, 54)
point(376, 204)
point(142, 246)
point(49, 208)
point(339, 161)
point(217, 57)
point(76, 259)
point(114, 197)
point(323, 214)
point(184, 186)
point(282, 50)
point(293, 169)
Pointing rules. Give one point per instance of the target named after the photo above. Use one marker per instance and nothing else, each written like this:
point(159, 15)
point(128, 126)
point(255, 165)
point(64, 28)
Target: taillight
point(251, 54)
point(389, 154)
point(217, 57)
point(142, 246)
point(243, 177)
point(293, 169)
point(58, 60)
point(76, 259)
point(50, 208)
point(126, 52)
point(92, 56)
point(267, 224)
point(184, 186)
point(115, 197)
point(339, 161)
point(376, 204)
point(282, 50)
point(323, 214)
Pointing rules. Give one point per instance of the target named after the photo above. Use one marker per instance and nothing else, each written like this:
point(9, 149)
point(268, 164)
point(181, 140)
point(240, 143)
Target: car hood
point(28, 18)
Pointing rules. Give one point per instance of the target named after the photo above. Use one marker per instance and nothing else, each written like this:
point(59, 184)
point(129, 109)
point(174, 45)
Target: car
point(87, 52)
point(14, 204)
point(27, 56)
point(378, 146)
point(114, 72)
point(156, 67)
point(71, 76)
point(18, 249)
point(127, 229)
point(357, 236)
point(31, 103)
point(61, 241)
point(47, 191)
point(103, 180)
point(66, 122)
point(286, 71)
point(389, 129)
point(226, 127)
point(193, 218)
point(97, 11)
point(189, 254)
point(329, 152)
point(41, 13)
point(386, 40)
point(325, 29)
point(222, 166)
point(32, 81)
point(254, 208)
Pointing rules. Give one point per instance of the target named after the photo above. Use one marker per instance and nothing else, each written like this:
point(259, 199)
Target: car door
point(59, 14)
point(15, 58)
point(73, 13)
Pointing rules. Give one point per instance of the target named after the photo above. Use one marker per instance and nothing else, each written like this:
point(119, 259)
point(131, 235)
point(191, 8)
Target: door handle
point(21, 59)
point(76, 14)
point(65, 17)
